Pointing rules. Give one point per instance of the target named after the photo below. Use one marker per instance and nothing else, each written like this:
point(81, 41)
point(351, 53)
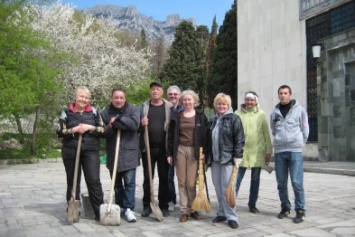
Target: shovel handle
point(76, 168)
point(114, 172)
point(147, 146)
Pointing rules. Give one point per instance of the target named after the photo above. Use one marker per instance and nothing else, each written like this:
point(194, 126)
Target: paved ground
point(32, 205)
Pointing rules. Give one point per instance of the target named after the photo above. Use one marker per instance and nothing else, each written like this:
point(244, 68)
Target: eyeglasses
point(176, 94)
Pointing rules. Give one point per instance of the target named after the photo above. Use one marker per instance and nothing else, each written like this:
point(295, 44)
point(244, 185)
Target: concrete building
point(275, 39)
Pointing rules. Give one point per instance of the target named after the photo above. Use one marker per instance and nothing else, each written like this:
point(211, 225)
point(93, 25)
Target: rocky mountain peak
point(128, 18)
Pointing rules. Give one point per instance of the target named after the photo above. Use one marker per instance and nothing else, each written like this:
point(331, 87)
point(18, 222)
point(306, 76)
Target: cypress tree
point(185, 64)
point(224, 76)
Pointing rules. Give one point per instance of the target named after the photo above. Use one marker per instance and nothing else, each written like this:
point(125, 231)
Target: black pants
point(158, 155)
point(90, 163)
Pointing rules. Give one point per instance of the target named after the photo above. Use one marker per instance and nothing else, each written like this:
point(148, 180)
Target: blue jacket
point(290, 133)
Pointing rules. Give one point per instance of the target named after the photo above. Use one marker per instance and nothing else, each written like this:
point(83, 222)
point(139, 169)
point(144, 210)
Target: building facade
point(275, 39)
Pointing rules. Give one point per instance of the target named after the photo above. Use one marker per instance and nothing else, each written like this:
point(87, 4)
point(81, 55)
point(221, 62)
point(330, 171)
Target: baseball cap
point(155, 83)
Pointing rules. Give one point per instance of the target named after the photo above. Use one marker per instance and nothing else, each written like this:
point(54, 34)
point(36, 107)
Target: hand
point(203, 158)
point(170, 160)
point(267, 158)
point(237, 161)
point(144, 121)
point(111, 121)
point(86, 128)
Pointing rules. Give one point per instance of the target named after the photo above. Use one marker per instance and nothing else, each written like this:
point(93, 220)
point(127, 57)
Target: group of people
point(177, 129)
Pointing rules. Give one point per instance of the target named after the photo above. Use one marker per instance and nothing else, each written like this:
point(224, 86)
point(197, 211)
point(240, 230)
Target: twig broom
point(201, 201)
point(230, 191)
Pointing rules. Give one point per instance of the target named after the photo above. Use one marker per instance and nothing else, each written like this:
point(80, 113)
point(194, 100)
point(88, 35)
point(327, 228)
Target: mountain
point(128, 18)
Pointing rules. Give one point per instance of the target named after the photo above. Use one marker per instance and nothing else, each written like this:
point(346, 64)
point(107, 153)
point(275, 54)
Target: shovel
point(153, 205)
point(110, 214)
point(74, 205)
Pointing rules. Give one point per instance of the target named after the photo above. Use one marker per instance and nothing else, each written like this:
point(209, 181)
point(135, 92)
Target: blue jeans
point(125, 188)
point(254, 184)
point(290, 162)
point(171, 184)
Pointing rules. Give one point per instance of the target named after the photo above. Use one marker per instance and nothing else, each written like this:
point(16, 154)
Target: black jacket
point(70, 119)
point(231, 139)
point(127, 120)
point(200, 133)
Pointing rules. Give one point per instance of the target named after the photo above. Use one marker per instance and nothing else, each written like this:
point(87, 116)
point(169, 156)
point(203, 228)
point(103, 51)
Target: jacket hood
point(244, 108)
point(293, 103)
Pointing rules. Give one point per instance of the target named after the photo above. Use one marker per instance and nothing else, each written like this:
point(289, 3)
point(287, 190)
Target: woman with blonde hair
point(80, 118)
point(226, 141)
point(187, 133)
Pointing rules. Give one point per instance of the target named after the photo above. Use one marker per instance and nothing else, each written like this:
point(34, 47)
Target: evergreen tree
point(143, 43)
point(224, 76)
point(185, 65)
point(211, 48)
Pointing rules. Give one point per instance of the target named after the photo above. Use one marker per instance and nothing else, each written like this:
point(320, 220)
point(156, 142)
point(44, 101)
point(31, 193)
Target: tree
point(99, 60)
point(211, 48)
point(224, 76)
point(27, 77)
point(185, 64)
point(143, 43)
point(160, 57)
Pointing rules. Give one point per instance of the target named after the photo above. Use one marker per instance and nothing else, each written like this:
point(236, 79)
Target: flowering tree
point(98, 59)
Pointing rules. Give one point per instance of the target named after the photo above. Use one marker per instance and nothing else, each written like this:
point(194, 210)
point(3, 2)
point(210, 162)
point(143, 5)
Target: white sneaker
point(130, 217)
point(171, 206)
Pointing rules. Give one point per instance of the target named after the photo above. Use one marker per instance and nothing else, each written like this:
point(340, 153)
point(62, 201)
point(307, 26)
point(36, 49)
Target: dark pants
point(158, 155)
point(90, 163)
point(254, 184)
point(171, 184)
point(125, 189)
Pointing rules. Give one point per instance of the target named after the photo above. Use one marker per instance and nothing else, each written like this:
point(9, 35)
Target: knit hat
point(252, 95)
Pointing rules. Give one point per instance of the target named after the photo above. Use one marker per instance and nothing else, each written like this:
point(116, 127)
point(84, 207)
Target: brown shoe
point(184, 217)
point(195, 215)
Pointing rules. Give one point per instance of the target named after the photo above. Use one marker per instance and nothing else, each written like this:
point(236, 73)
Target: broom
point(201, 201)
point(230, 191)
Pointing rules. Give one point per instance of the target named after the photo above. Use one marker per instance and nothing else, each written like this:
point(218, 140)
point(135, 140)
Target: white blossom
point(102, 60)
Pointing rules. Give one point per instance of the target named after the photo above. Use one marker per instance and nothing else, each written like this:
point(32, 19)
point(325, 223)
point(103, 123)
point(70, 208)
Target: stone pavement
point(32, 204)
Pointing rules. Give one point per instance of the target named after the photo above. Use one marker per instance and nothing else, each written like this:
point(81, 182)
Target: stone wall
point(336, 98)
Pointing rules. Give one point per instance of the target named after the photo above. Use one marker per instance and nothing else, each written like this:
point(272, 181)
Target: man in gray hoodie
point(289, 126)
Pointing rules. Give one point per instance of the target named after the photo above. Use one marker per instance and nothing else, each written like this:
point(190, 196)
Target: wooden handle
point(147, 147)
point(114, 172)
point(76, 168)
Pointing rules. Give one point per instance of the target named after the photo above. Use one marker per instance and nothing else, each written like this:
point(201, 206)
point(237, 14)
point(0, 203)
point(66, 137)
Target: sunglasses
point(173, 94)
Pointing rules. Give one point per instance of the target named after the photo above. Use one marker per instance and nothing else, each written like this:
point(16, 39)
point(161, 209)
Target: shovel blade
point(156, 211)
point(73, 211)
point(110, 217)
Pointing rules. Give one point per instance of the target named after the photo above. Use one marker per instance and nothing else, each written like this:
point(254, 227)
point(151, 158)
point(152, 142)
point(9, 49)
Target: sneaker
point(146, 212)
point(171, 206)
point(284, 213)
point(130, 217)
point(299, 216)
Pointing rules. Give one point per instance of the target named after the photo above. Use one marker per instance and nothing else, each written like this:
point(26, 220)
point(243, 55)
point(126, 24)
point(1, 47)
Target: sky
point(202, 11)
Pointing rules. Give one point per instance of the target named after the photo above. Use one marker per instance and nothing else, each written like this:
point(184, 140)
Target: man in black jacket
point(123, 116)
